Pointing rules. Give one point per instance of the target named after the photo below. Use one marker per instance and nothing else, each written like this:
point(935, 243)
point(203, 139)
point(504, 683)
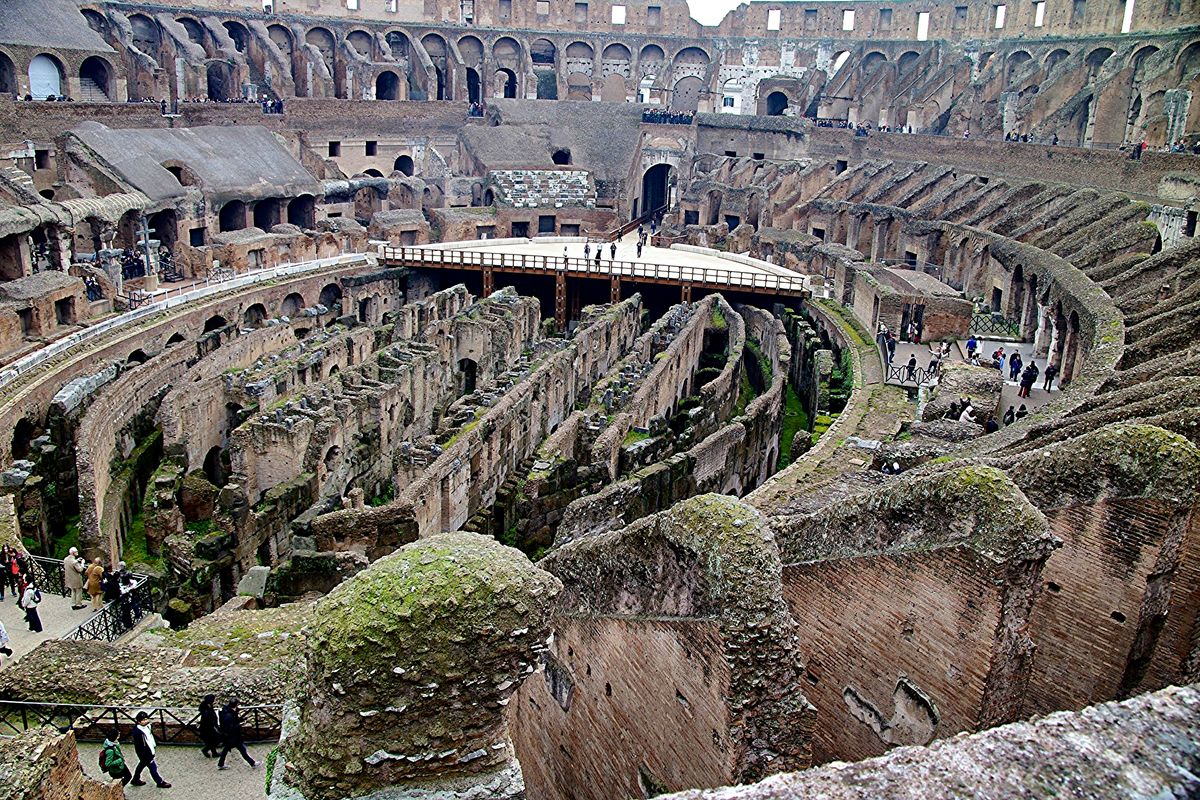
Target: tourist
point(146, 749)
point(4, 640)
point(210, 728)
point(109, 585)
point(73, 569)
point(112, 761)
point(598, 254)
point(952, 412)
point(1014, 366)
point(95, 583)
point(587, 249)
point(566, 255)
point(972, 346)
point(639, 248)
point(7, 578)
point(968, 414)
point(612, 249)
point(1022, 412)
point(231, 734)
point(1051, 374)
point(31, 598)
point(891, 347)
point(911, 368)
point(991, 426)
point(881, 335)
point(130, 606)
point(1028, 377)
point(1009, 416)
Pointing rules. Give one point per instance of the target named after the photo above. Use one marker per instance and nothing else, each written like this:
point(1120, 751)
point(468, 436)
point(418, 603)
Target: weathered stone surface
point(1142, 748)
point(43, 764)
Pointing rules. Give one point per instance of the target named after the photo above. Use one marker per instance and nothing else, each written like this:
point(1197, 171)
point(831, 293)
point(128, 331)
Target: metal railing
point(603, 268)
point(115, 618)
point(633, 224)
point(995, 324)
point(919, 376)
point(170, 724)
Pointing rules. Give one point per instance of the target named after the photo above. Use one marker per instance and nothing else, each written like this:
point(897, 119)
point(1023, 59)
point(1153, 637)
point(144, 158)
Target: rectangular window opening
point(581, 10)
point(848, 19)
point(352, 5)
point(393, 6)
point(885, 19)
point(196, 237)
point(731, 154)
point(1039, 14)
point(372, 148)
point(1127, 19)
point(335, 149)
point(505, 9)
point(618, 15)
point(654, 16)
point(543, 8)
point(922, 26)
point(841, 166)
point(774, 19)
point(1000, 10)
point(960, 17)
point(810, 19)
point(41, 159)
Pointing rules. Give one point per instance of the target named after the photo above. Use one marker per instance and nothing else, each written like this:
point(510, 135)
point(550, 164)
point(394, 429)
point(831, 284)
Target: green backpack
point(112, 761)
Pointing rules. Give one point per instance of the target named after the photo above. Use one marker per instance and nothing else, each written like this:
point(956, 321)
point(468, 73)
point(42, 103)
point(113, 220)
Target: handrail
point(173, 724)
point(523, 262)
point(183, 295)
point(633, 223)
point(115, 618)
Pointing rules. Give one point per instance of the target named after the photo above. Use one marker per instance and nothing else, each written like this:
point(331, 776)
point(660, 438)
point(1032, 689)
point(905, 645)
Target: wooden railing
point(714, 277)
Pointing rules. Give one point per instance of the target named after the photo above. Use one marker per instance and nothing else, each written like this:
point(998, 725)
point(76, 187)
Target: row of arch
point(46, 75)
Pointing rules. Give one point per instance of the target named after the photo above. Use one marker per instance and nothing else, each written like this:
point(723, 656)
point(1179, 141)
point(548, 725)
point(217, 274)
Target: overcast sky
point(711, 12)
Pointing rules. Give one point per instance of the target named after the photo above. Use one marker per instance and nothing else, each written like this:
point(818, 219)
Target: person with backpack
point(31, 598)
point(210, 729)
point(231, 733)
point(112, 761)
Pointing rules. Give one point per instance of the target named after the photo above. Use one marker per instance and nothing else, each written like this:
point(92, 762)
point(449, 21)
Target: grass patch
point(718, 319)
point(69, 539)
point(633, 437)
point(822, 424)
point(746, 395)
point(383, 498)
point(136, 550)
point(794, 420)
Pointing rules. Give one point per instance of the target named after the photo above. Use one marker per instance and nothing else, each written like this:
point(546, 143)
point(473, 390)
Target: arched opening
point(1055, 57)
point(292, 305)
point(645, 88)
point(176, 338)
point(872, 62)
point(331, 458)
point(301, 211)
point(214, 466)
point(435, 46)
point(95, 80)
point(579, 86)
point(331, 296)
point(45, 77)
point(655, 188)
point(215, 323)
point(840, 60)
point(137, 357)
point(255, 316)
point(542, 52)
point(907, 60)
point(24, 433)
point(8, 76)
point(220, 82)
point(238, 33)
point(474, 93)
point(685, 97)
point(468, 371)
point(387, 86)
point(506, 83)
point(1016, 62)
point(731, 96)
point(404, 165)
point(363, 43)
point(374, 173)
point(267, 213)
point(232, 216)
point(561, 156)
point(164, 226)
point(1095, 60)
point(471, 50)
point(777, 103)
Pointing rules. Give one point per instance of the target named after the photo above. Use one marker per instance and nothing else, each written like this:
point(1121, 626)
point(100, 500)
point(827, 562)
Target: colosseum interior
point(568, 400)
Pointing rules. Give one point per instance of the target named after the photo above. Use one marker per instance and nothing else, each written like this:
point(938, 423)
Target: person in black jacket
point(210, 729)
point(231, 733)
point(145, 747)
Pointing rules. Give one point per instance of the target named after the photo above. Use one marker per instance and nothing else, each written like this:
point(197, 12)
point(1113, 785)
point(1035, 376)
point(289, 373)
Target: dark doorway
point(387, 86)
point(473, 93)
point(404, 164)
point(467, 374)
point(777, 102)
point(655, 188)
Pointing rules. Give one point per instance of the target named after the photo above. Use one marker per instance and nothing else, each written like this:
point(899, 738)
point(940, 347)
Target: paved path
point(191, 775)
point(57, 619)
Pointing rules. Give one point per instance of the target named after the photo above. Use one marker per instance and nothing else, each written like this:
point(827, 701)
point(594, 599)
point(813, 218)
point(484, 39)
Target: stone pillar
point(410, 666)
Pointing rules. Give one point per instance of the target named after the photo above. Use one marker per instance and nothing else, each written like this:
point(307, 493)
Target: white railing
point(163, 301)
point(605, 268)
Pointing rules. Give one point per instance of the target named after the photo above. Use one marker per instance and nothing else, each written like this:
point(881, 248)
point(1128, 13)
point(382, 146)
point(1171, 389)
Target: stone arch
point(1095, 60)
point(436, 49)
point(646, 88)
point(214, 465)
point(506, 83)
point(321, 39)
point(292, 304)
point(215, 323)
point(182, 173)
point(1188, 60)
point(685, 96)
point(907, 60)
point(579, 86)
point(651, 57)
point(138, 356)
point(176, 338)
point(97, 71)
point(232, 216)
point(731, 95)
point(1055, 56)
point(374, 173)
point(362, 43)
point(777, 103)
point(581, 51)
point(612, 89)
point(164, 226)
point(239, 34)
point(8, 75)
point(839, 60)
point(220, 81)
point(301, 211)
point(193, 29)
point(872, 62)
point(471, 49)
point(387, 86)
point(331, 295)
point(656, 188)
point(281, 37)
point(46, 76)
point(507, 51)
point(616, 59)
point(691, 55)
point(267, 213)
point(24, 432)
point(95, 21)
point(255, 316)
point(405, 165)
point(543, 52)
point(1138, 59)
point(1013, 64)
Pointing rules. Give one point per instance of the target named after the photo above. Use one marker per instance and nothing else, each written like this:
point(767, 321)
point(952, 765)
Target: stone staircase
point(90, 92)
point(543, 188)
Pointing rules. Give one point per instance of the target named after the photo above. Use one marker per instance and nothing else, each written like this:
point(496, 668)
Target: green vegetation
point(136, 550)
point(718, 319)
point(200, 527)
point(272, 757)
point(64, 543)
point(384, 497)
point(633, 437)
point(794, 421)
point(841, 382)
point(746, 395)
point(822, 424)
point(764, 363)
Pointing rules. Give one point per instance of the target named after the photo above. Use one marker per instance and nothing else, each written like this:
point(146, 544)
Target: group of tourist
point(663, 116)
point(218, 731)
point(50, 98)
point(272, 106)
point(475, 109)
point(92, 287)
point(16, 575)
point(1019, 372)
